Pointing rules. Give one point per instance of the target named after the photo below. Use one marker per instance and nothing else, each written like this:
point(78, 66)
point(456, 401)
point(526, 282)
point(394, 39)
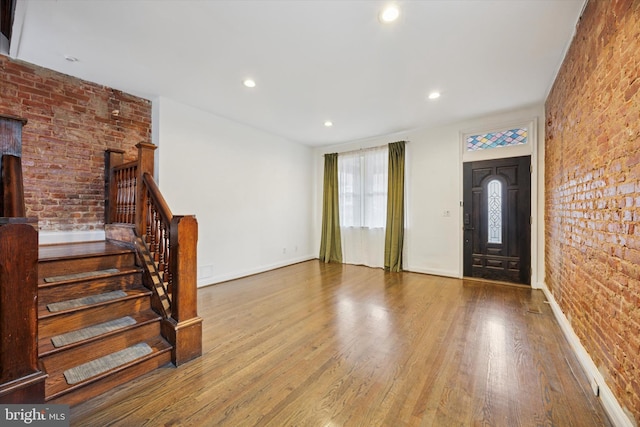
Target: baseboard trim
point(55, 237)
point(434, 272)
point(212, 280)
point(616, 414)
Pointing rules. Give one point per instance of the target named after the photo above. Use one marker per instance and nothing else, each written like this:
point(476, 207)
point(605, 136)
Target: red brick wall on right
point(592, 192)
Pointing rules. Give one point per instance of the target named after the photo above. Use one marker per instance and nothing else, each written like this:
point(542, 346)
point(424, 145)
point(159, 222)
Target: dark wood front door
point(497, 219)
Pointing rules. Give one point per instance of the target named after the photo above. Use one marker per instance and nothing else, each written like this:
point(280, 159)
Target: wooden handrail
point(126, 167)
point(169, 242)
point(157, 197)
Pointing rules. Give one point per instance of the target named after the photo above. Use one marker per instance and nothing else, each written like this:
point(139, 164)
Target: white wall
point(258, 197)
point(434, 162)
point(250, 191)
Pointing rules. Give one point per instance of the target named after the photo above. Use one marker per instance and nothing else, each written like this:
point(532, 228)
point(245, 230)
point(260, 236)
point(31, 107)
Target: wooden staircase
point(79, 319)
point(82, 287)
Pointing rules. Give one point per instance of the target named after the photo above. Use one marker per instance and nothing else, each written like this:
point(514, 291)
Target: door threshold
point(496, 282)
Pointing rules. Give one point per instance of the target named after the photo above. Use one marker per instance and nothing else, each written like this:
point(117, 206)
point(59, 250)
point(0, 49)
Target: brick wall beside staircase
point(70, 124)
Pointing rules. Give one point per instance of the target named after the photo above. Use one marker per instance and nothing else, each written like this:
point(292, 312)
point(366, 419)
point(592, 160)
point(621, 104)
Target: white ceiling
point(313, 60)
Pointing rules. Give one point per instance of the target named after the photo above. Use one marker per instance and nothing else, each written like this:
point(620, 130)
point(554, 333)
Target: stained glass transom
point(497, 139)
point(494, 194)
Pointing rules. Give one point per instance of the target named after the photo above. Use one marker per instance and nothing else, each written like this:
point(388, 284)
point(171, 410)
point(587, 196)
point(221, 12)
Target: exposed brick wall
point(69, 127)
point(592, 182)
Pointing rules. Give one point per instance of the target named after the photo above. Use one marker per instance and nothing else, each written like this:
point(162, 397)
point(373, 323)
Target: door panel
point(497, 212)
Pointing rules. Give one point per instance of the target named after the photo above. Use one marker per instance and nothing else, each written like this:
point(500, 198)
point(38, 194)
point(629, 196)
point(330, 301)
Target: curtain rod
point(371, 148)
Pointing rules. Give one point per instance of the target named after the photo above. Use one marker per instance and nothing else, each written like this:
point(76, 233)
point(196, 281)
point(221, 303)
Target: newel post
point(11, 186)
point(112, 158)
point(184, 328)
point(145, 164)
point(21, 380)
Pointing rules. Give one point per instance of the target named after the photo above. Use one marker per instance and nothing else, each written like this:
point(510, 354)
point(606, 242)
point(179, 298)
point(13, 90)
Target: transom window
point(507, 138)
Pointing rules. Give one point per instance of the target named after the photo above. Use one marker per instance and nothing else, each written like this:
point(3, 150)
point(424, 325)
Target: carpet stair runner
point(96, 325)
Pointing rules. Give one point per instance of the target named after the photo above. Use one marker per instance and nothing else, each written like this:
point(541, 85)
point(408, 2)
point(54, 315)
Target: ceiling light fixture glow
point(249, 83)
point(328, 123)
point(434, 95)
point(390, 13)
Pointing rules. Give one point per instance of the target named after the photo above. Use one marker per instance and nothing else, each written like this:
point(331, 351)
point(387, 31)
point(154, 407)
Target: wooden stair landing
point(91, 270)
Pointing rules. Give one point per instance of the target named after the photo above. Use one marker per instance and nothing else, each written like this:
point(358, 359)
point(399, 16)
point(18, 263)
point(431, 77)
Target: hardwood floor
point(318, 344)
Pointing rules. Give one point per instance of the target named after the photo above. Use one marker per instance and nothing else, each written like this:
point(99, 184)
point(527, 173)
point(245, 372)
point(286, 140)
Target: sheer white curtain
point(362, 189)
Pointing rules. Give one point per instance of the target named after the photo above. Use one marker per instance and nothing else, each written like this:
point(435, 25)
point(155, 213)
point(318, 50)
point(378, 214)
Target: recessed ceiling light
point(434, 95)
point(390, 13)
point(328, 123)
point(249, 83)
point(71, 58)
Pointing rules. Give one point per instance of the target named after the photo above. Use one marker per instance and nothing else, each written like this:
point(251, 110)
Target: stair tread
point(72, 258)
point(104, 385)
point(137, 292)
point(59, 361)
point(56, 384)
point(109, 362)
point(52, 281)
point(80, 250)
point(46, 347)
point(82, 275)
point(88, 300)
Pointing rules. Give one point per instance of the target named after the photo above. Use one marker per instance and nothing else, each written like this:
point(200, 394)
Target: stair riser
point(61, 267)
point(65, 359)
point(81, 394)
point(66, 291)
point(64, 322)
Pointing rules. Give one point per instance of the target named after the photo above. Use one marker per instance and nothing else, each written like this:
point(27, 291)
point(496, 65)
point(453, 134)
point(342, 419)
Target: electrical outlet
point(595, 387)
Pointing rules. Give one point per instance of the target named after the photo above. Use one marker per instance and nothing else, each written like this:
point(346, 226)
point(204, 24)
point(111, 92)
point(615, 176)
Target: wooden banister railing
point(124, 178)
point(158, 219)
point(167, 245)
point(157, 242)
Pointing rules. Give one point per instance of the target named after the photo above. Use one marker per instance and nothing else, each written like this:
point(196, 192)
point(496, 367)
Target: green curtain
point(394, 237)
point(330, 243)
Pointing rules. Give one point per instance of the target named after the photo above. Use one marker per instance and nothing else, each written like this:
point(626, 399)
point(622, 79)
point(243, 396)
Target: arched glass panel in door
point(494, 214)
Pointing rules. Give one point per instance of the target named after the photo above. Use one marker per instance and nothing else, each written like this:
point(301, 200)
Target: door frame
point(537, 193)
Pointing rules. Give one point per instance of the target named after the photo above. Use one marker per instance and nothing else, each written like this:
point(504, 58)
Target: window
point(494, 211)
point(362, 181)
